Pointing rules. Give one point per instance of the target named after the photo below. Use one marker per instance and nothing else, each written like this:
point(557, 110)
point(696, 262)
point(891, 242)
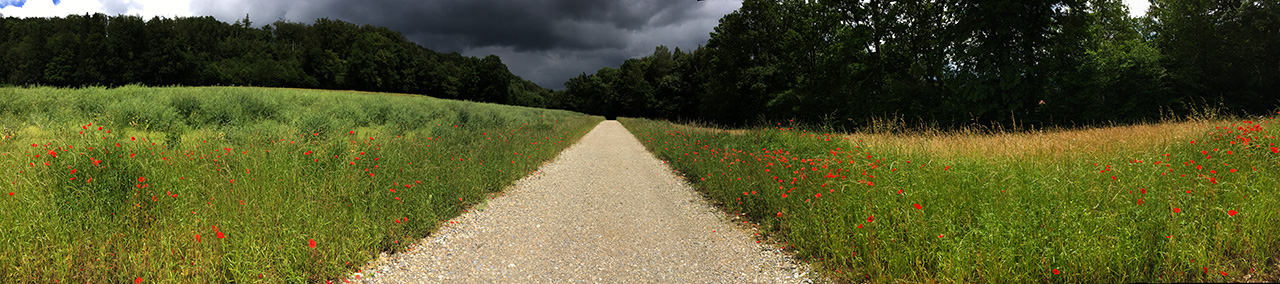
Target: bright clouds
point(60, 8)
point(1137, 8)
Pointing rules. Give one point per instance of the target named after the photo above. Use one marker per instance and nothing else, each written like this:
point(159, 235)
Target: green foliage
point(100, 50)
point(953, 64)
point(143, 186)
point(1222, 52)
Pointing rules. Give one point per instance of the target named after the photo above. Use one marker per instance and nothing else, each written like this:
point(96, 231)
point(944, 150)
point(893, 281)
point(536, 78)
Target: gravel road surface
point(604, 211)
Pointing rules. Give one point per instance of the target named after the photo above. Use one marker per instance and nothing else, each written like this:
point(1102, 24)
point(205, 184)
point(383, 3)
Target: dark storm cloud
point(545, 41)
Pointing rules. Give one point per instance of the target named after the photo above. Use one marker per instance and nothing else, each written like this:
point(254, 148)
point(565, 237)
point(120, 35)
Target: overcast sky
point(545, 41)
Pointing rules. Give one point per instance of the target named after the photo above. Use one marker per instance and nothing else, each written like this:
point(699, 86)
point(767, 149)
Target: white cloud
point(1137, 8)
point(151, 8)
point(45, 8)
point(144, 8)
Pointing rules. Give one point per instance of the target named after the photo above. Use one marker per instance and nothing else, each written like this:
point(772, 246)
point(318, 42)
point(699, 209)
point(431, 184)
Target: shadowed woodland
point(837, 63)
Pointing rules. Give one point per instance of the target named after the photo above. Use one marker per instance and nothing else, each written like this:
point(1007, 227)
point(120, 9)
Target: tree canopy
point(82, 50)
point(945, 63)
point(955, 63)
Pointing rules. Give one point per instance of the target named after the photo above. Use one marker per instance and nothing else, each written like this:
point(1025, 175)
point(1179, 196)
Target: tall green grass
point(199, 185)
point(1156, 203)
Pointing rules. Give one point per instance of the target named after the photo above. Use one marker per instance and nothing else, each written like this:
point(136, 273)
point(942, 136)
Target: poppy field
point(245, 185)
point(1176, 201)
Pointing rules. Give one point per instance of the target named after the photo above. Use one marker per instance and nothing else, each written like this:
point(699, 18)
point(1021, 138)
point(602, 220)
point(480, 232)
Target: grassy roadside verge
point(242, 185)
point(1192, 201)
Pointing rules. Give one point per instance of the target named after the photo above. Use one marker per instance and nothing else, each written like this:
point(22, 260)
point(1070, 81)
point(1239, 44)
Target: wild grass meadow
point(245, 185)
point(1191, 201)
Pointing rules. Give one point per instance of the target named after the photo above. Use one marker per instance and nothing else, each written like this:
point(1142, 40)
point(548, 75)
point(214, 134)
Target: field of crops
point(1188, 201)
point(219, 184)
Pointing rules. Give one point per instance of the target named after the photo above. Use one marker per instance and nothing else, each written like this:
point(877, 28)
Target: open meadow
point(1188, 201)
point(224, 184)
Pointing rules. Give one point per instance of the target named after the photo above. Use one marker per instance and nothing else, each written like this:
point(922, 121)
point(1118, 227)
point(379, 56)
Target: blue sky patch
point(16, 3)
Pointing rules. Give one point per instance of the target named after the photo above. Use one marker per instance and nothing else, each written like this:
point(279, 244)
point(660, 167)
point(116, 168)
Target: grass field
point(1188, 201)
point(245, 185)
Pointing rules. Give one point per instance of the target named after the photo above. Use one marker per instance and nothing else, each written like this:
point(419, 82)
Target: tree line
point(951, 63)
point(101, 50)
point(945, 63)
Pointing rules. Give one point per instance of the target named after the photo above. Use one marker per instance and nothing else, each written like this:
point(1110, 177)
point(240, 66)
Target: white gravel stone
point(604, 211)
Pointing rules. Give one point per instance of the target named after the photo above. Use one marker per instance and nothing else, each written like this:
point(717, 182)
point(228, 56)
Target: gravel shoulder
point(604, 211)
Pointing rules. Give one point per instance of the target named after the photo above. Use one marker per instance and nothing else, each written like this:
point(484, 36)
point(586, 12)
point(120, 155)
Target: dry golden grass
point(699, 127)
point(1041, 144)
point(1053, 144)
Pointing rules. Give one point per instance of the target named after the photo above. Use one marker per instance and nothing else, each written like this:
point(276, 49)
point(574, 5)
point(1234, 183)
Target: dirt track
point(604, 211)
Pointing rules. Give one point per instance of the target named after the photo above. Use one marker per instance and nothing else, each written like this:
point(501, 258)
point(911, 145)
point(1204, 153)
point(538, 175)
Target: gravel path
point(605, 211)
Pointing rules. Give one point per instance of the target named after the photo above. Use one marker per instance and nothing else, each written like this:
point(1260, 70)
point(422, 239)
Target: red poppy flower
point(1177, 210)
point(220, 235)
point(1232, 212)
point(870, 218)
point(917, 205)
point(779, 214)
point(312, 243)
point(1055, 271)
point(197, 238)
point(138, 280)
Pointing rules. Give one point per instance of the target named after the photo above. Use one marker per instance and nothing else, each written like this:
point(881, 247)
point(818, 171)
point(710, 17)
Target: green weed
point(1171, 202)
point(200, 185)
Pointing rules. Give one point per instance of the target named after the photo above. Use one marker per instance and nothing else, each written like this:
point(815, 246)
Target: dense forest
point(841, 63)
point(101, 50)
point(954, 63)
